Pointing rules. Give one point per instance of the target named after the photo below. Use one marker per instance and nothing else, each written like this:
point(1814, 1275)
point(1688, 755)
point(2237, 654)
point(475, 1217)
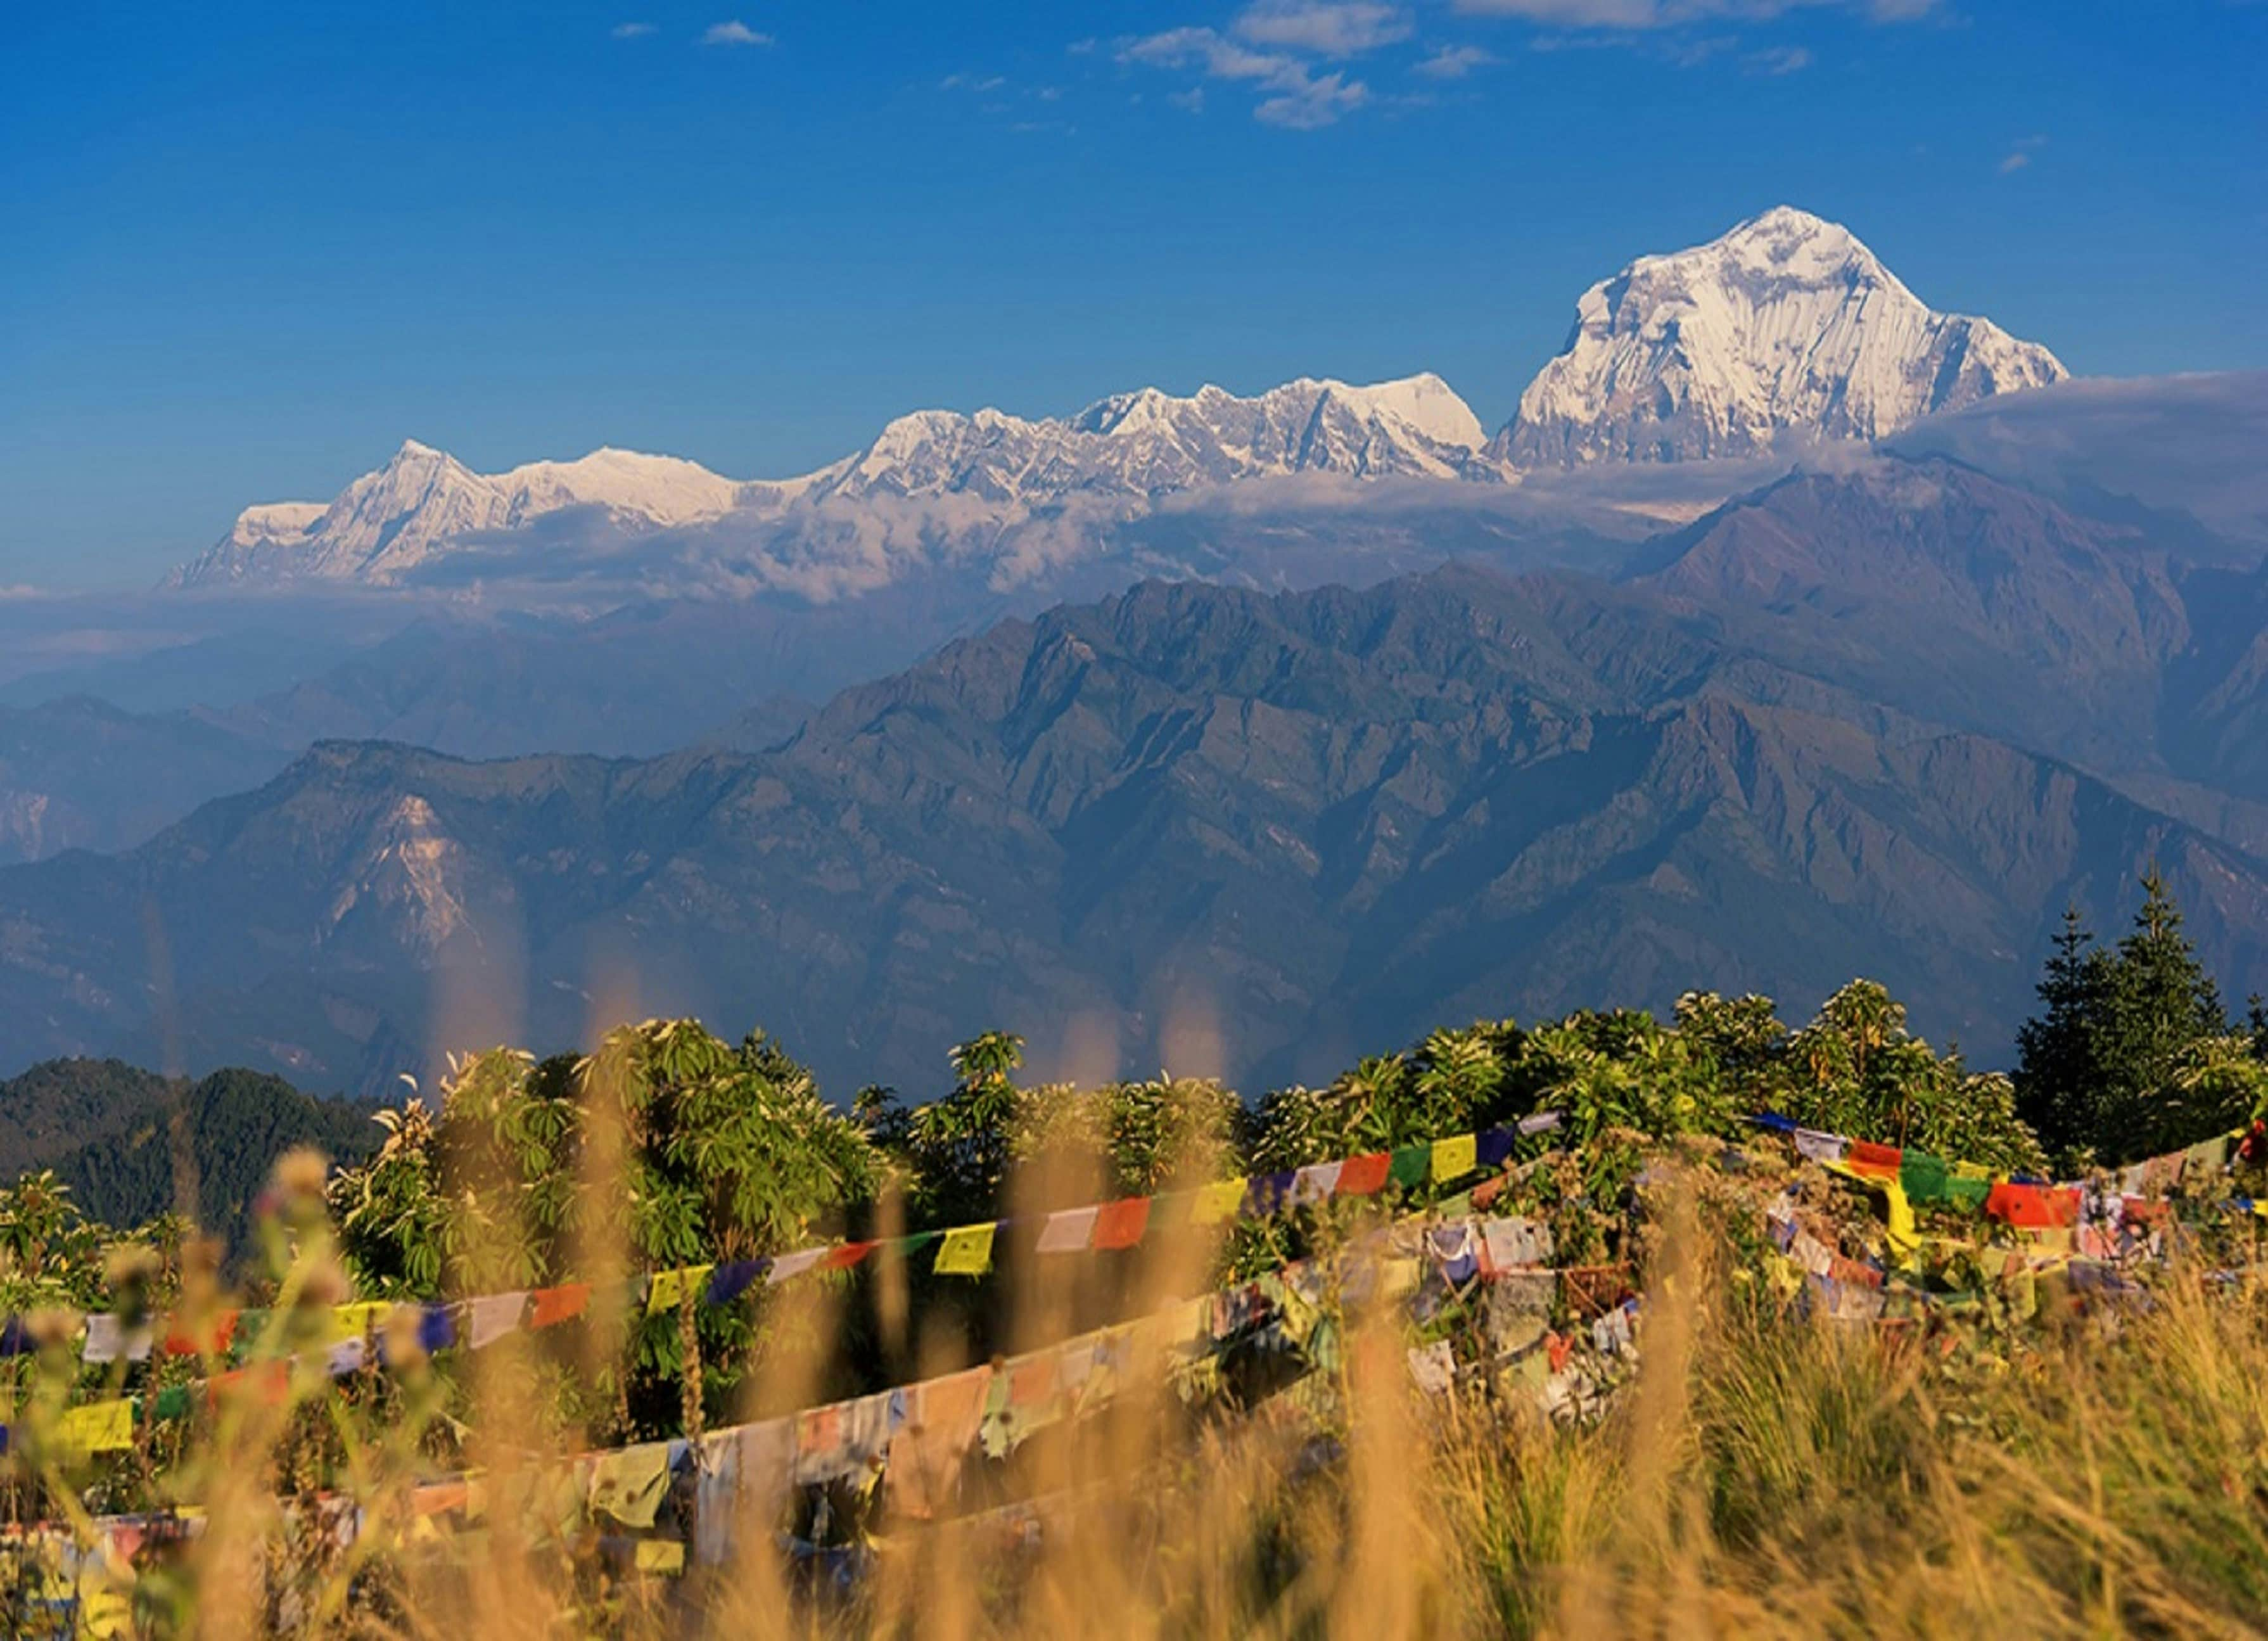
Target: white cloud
point(2019, 154)
point(1644, 14)
point(631, 31)
point(734, 33)
point(1312, 101)
point(1301, 99)
point(1454, 62)
point(1779, 60)
point(1329, 28)
point(1192, 99)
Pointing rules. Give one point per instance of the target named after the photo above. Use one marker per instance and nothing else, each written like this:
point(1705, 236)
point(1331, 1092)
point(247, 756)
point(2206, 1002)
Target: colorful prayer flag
point(1218, 1202)
point(967, 1252)
point(1069, 1231)
point(1412, 1166)
point(1454, 1157)
point(668, 1287)
point(560, 1304)
point(99, 1427)
point(1362, 1176)
point(1120, 1224)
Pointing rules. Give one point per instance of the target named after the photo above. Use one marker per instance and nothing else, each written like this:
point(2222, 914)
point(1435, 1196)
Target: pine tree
point(2060, 1070)
point(2162, 1005)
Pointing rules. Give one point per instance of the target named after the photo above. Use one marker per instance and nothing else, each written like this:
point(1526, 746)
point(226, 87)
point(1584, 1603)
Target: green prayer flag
point(1967, 1192)
point(1412, 1166)
point(1925, 1178)
point(172, 1402)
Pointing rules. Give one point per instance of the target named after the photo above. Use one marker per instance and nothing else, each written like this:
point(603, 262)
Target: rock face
point(1787, 324)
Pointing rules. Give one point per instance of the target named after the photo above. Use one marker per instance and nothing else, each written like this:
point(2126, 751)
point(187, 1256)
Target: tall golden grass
point(1765, 1473)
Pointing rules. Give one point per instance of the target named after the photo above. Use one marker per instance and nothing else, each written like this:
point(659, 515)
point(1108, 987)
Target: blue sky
point(252, 247)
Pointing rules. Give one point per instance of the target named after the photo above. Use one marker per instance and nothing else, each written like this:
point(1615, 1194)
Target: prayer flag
point(628, 1483)
point(1453, 1158)
point(1218, 1202)
point(668, 1287)
point(1540, 1123)
point(660, 1555)
point(1068, 1233)
point(1362, 1176)
point(493, 1316)
point(354, 1322)
point(1820, 1146)
point(2032, 1207)
point(967, 1252)
point(208, 1336)
point(845, 1256)
point(732, 1278)
point(1264, 1193)
point(107, 1339)
point(1412, 1166)
point(1032, 1383)
point(1925, 1178)
point(794, 1264)
point(101, 1427)
point(1315, 1182)
point(1877, 1161)
point(1491, 1146)
point(558, 1305)
point(1120, 1224)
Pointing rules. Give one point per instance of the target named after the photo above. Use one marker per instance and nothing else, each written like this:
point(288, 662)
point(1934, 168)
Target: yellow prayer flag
point(663, 1556)
point(101, 1427)
point(668, 1287)
point(1218, 1202)
point(354, 1322)
point(1455, 1157)
point(967, 1251)
point(628, 1483)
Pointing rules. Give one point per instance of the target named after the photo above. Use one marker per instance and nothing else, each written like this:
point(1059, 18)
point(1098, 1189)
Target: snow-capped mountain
point(1130, 448)
point(1785, 324)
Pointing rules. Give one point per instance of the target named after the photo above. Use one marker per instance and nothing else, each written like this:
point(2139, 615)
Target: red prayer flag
point(557, 1304)
point(1361, 1176)
point(1033, 1383)
point(1866, 1157)
point(2032, 1207)
point(849, 1254)
point(219, 1330)
point(1120, 1224)
point(1488, 1190)
point(269, 1381)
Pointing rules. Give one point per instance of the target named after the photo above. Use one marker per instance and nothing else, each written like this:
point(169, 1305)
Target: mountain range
point(1888, 720)
point(1787, 630)
point(1786, 329)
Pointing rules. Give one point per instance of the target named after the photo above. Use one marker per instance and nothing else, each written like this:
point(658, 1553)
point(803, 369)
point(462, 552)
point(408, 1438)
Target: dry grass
point(1765, 1475)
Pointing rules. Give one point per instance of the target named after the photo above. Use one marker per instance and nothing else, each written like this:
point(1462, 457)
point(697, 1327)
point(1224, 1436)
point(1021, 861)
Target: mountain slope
point(1187, 824)
point(1787, 324)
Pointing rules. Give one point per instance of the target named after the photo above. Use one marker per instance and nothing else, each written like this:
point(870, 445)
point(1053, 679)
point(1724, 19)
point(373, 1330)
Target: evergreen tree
point(2255, 1022)
point(2161, 1007)
point(2060, 1070)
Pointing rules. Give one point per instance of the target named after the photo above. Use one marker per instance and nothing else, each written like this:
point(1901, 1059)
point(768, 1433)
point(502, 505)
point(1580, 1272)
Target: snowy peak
point(1125, 451)
point(1787, 325)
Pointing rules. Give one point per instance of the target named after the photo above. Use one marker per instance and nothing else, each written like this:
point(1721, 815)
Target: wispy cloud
point(1328, 28)
point(2019, 154)
point(1274, 46)
point(1192, 99)
point(972, 82)
point(631, 31)
point(735, 32)
point(1631, 15)
point(1454, 62)
point(1778, 60)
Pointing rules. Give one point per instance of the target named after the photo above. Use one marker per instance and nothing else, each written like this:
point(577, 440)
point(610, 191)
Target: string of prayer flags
point(967, 1251)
